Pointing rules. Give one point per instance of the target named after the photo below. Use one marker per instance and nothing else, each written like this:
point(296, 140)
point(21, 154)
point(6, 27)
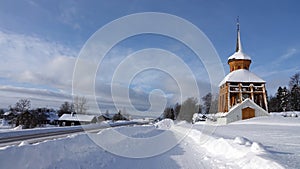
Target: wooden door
point(248, 113)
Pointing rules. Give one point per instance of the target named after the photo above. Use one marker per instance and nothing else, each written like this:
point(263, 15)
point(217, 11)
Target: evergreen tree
point(177, 108)
point(207, 99)
point(119, 116)
point(273, 104)
point(2, 113)
point(295, 92)
point(295, 98)
point(27, 120)
point(283, 98)
point(41, 115)
point(169, 113)
point(106, 113)
point(200, 107)
point(65, 108)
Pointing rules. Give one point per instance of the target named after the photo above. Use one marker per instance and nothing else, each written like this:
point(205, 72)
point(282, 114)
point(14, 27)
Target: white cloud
point(28, 59)
point(69, 14)
point(37, 62)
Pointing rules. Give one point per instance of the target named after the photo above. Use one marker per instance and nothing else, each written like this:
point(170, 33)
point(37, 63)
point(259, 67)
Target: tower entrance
point(248, 113)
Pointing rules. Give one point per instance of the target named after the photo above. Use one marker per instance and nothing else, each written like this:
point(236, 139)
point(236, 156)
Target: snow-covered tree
point(283, 97)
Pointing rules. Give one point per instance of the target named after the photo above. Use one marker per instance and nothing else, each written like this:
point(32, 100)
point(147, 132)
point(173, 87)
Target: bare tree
point(295, 92)
point(80, 105)
point(295, 80)
point(188, 108)
point(22, 105)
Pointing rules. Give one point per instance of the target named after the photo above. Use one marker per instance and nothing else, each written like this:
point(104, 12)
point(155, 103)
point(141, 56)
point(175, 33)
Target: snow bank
point(286, 114)
point(277, 120)
point(241, 151)
point(23, 143)
point(75, 152)
point(164, 124)
point(257, 148)
point(20, 127)
point(17, 131)
point(241, 141)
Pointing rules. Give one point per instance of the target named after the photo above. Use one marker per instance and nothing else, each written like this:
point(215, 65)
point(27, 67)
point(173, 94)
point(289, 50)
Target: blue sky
point(40, 40)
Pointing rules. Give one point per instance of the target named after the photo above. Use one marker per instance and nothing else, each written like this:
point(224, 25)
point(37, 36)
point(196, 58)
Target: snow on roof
point(246, 102)
point(52, 116)
point(7, 113)
point(239, 55)
point(241, 75)
point(76, 117)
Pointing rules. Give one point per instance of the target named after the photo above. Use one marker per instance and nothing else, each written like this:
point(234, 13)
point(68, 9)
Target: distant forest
point(286, 98)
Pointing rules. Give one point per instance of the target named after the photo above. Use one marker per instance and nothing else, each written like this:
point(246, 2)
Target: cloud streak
point(291, 52)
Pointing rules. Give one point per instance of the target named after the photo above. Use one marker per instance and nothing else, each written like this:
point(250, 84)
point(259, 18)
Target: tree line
point(287, 98)
point(190, 106)
point(22, 114)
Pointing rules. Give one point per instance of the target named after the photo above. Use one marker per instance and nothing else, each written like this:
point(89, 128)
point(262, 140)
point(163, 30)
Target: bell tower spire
point(238, 40)
point(239, 60)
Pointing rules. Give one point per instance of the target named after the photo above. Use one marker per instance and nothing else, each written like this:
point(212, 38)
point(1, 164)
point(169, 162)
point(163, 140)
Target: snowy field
point(268, 142)
point(278, 137)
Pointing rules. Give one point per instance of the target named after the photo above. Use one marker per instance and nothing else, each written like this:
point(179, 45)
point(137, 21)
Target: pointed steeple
point(238, 40)
point(239, 60)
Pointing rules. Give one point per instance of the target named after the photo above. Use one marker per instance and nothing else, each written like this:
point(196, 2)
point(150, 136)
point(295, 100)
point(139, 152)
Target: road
point(32, 136)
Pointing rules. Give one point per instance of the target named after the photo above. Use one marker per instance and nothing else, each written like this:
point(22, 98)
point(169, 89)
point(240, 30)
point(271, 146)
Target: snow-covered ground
point(278, 136)
point(270, 142)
